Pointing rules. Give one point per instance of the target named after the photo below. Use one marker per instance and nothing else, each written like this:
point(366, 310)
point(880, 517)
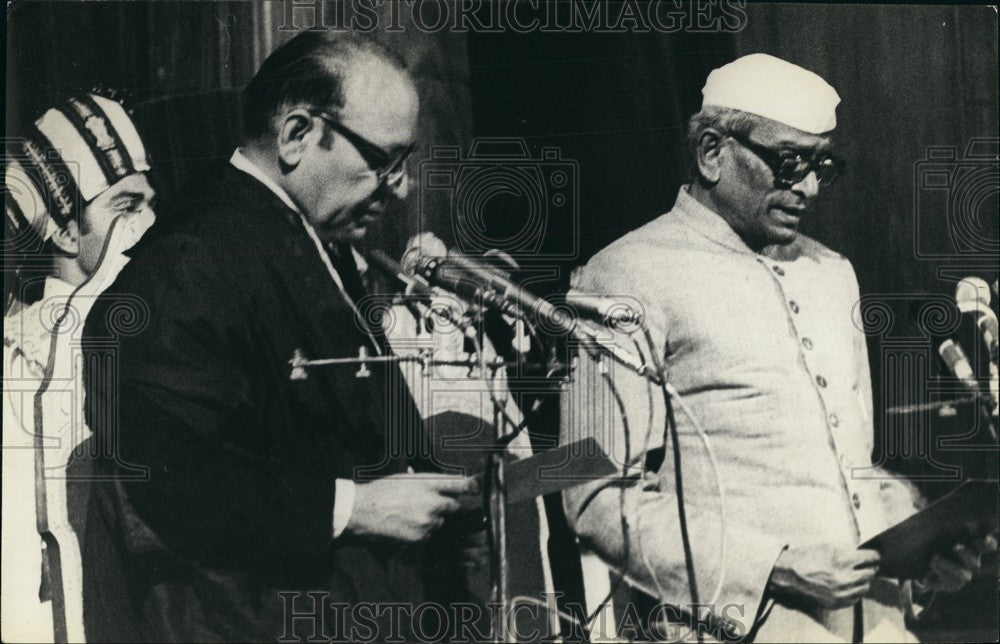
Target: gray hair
point(724, 119)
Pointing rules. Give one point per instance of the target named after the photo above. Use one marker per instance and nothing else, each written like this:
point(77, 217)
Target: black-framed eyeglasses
point(388, 168)
point(790, 168)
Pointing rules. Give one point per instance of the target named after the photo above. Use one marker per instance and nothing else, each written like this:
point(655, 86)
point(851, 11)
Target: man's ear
point(710, 150)
point(292, 137)
point(67, 238)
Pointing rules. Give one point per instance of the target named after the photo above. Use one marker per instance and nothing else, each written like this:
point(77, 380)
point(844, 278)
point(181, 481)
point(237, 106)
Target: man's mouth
point(368, 216)
point(796, 211)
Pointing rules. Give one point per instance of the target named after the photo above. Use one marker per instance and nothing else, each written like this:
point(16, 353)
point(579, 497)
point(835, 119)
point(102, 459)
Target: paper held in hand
point(906, 547)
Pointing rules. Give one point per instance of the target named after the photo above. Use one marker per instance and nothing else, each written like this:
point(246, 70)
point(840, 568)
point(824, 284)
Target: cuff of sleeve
point(343, 505)
point(758, 600)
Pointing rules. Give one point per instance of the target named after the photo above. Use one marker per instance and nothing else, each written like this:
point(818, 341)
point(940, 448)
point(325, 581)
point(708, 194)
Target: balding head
point(332, 119)
point(315, 70)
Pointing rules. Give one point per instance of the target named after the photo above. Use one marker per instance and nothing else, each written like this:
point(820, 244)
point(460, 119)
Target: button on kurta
point(821, 381)
point(780, 271)
point(807, 343)
point(834, 420)
point(856, 501)
point(794, 306)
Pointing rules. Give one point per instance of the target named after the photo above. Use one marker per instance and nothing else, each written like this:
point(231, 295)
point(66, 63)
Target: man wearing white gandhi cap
point(76, 196)
point(756, 323)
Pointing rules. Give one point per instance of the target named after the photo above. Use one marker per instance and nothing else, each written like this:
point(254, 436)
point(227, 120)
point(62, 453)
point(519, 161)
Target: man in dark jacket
point(239, 483)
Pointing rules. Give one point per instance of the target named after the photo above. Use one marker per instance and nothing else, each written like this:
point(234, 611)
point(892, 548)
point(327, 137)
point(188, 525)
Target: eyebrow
point(127, 196)
point(822, 146)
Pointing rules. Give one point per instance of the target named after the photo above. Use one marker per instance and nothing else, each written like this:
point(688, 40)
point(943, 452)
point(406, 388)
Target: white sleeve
point(343, 505)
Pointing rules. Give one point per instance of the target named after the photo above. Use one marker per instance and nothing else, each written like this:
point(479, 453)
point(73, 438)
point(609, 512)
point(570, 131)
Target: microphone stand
point(588, 339)
point(498, 491)
point(498, 505)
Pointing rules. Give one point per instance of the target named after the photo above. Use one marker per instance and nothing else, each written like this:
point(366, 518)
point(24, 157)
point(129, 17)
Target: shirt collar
point(240, 162)
point(707, 222)
point(55, 287)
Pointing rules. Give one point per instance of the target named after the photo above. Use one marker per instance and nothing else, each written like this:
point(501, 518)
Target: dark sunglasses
point(790, 168)
point(387, 168)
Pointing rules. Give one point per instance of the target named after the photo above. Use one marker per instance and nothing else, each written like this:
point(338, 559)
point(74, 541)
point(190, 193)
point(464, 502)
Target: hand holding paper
point(942, 542)
point(953, 569)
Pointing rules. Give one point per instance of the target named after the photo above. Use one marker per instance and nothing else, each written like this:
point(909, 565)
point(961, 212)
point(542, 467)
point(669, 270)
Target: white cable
point(718, 483)
point(672, 391)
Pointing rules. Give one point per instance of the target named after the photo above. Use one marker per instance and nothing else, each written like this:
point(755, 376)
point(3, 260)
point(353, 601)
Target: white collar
point(242, 163)
point(55, 287)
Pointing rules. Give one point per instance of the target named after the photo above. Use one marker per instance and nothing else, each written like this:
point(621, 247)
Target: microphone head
point(972, 289)
point(419, 246)
point(956, 360)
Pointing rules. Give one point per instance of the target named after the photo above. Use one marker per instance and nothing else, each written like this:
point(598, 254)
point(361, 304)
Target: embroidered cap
point(72, 154)
point(775, 89)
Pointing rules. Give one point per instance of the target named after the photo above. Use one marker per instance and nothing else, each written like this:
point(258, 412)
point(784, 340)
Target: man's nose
point(808, 187)
point(397, 189)
point(403, 188)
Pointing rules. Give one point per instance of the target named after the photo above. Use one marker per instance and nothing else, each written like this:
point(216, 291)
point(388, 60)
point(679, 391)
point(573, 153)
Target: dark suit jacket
point(236, 502)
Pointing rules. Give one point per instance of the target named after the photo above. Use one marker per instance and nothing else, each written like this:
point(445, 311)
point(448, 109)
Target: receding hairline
point(327, 61)
point(735, 121)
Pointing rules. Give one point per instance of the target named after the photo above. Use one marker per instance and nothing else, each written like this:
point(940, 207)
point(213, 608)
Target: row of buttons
point(807, 343)
point(834, 420)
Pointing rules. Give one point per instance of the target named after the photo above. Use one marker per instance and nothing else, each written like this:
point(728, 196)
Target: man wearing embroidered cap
point(756, 321)
point(76, 197)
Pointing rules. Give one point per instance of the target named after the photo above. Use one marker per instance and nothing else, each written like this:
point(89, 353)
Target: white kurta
point(769, 353)
point(28, 339)
point(42, 346)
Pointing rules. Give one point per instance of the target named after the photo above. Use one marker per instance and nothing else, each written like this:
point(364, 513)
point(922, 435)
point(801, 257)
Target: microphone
point(958, 364)
point(478, 282)
point(973, 296)
point(494, 288)
point(391, 268)
point(609, 310)
point(414, 287)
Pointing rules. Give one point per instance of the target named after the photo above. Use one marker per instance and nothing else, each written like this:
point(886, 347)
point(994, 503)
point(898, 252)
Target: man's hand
point(951, 571)
point(823, 577)
point(407, 507)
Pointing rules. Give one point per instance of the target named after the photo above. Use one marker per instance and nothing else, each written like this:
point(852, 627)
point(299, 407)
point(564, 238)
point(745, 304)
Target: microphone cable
point(670, 393)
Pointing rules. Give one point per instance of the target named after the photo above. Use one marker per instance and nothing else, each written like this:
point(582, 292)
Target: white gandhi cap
point(775, 89)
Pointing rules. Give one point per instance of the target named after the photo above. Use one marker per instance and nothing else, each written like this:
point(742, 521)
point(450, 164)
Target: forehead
point(778, 135)
point(380, 101)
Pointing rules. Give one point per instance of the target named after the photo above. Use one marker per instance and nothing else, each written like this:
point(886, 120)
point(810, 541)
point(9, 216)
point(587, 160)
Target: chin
point(783, 236)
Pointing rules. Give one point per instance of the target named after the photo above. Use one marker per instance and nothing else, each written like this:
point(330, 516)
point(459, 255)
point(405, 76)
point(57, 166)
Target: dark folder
point(551, 471)
point(906, 547)
point(557, 469)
